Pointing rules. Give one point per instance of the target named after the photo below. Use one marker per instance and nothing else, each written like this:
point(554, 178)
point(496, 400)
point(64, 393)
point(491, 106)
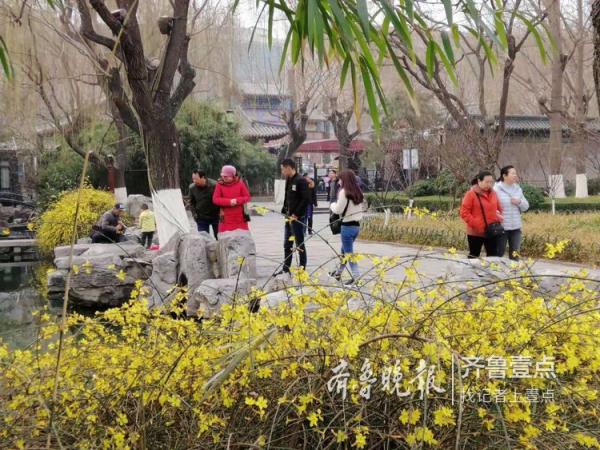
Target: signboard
point(410, 159)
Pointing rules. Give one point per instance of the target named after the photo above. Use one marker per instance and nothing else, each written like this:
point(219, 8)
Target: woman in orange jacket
point(472, 213)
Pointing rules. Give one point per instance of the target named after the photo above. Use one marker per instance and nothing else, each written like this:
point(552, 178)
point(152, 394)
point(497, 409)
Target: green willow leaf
point(448, 46)
point(449, 11)
point(446, 62)
point(342, 22)
point(6, 66)
point(368, 84)
point(399, 26)
point(430, 58)
point(536, 35)
point(500, 30)
point(363, 16)
point(404, 77)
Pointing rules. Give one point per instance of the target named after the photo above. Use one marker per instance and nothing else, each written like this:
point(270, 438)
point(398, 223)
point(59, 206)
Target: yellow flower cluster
point(55, 226)
point(134, 377)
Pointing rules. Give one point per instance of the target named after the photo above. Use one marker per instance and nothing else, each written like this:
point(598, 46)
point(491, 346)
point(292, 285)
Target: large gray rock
point(96, 282)
point(78, 249)
point(237, 255)
point(197, 259)
point(206, 300)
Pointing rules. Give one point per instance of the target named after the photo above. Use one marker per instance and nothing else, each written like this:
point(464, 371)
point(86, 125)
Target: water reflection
point(18, 300)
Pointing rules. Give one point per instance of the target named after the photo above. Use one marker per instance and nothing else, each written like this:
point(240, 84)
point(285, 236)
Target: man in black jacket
point(204, 211)
point(297, 199)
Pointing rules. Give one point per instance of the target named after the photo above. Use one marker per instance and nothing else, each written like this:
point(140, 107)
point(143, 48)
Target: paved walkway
point(322, 249)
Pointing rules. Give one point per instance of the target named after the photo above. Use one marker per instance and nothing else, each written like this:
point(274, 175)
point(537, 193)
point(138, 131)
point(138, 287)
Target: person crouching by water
point(480, 207)
point(231, 194)
point(147, 225)
point(109, 228)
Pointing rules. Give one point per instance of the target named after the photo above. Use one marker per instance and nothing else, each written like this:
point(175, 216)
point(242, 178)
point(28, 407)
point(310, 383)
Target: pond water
point(18, 300)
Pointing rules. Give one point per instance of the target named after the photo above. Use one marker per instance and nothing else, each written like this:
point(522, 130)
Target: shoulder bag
point(335, 220)
point(492, 229)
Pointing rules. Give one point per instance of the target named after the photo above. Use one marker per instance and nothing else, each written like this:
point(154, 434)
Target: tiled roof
point(531, 124)
point(258, 89)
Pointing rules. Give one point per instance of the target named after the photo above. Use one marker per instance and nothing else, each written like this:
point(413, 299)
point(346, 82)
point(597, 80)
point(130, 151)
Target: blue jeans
point(204, 225)
point(349, 235)
point(294, 228)
point(308, 220)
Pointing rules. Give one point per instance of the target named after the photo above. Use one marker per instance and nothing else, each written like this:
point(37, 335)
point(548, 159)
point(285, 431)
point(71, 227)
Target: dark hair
point(144, 206)
point(289, 163)
point(305, 174)
point(333, 170)
point(350, 187)
point(504, 171)
point(200, 173)
point(480, 176)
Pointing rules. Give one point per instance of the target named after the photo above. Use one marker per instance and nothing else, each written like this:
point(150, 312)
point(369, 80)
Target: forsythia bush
point(56, 223)
point(400, 366)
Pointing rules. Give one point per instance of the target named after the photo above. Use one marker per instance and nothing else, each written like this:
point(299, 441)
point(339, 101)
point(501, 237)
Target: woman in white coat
point(513, 203)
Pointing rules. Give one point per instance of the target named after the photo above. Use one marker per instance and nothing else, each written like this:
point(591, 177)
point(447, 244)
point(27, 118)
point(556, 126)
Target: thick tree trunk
point(162, 146)
point(581, 185)
point(120, 161)
point(596, 24)
point(556, 181)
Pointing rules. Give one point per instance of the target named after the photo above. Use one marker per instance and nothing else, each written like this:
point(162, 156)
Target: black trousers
point(147, 238)
point(476, 242)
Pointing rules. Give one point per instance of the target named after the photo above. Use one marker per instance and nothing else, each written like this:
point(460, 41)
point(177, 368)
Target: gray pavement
point(323, 248)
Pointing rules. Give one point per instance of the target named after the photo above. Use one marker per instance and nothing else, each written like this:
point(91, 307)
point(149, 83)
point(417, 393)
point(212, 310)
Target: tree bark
point(556, 181)
point(596, 25)
point(347, 159)
point(296, 122)
point(155, 103)
point(581, 185)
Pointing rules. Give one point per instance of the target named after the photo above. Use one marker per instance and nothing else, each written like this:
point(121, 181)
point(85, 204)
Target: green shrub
point(594, 186)
point(60, 171)
point(534, 195)
point(422, 188)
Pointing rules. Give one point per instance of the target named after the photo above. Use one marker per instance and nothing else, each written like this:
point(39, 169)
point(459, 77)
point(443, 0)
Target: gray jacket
point(510, 212)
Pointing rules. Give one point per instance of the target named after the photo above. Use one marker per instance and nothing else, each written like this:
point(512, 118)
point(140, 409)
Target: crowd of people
point(491, 210)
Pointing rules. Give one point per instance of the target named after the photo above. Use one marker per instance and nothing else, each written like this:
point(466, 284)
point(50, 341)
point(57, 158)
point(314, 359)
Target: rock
point(134, 204)
point(197, 259)
point(100, 287)
point(125, 249)
point(164, 267)
point(136, 268)
point(78, 249)
point(232, 246)
point(85, 240)
point(206, 300)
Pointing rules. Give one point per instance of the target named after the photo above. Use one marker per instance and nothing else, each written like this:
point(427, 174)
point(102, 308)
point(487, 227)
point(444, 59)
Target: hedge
point(444, 204)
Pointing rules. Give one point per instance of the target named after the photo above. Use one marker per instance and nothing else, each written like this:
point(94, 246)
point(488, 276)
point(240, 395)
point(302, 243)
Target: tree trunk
point(556, 181)
point(120, 161)
point(581, 185)
point(596, 24)
point(162, 148)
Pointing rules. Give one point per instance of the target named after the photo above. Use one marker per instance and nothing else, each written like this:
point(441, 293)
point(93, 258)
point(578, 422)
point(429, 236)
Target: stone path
point(267, 232)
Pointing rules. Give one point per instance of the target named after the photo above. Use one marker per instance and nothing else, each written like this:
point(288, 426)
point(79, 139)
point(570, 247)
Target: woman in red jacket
point(471, 213)
point(231, 194)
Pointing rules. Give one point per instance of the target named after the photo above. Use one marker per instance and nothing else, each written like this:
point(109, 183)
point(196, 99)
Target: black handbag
point(492, 229)
point(335, 221)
